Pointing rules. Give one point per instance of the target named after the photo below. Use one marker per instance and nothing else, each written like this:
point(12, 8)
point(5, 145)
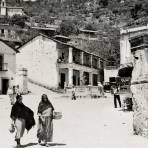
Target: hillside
point(105, 16)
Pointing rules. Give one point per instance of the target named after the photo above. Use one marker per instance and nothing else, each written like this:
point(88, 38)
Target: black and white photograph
point(74, 73)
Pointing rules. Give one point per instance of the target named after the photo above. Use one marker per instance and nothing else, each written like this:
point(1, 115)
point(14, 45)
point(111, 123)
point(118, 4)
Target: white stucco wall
point(3, 11)
point(125, 52)
point(39, 56)
point(12, 12)
point(9, 56)
point(110, 73)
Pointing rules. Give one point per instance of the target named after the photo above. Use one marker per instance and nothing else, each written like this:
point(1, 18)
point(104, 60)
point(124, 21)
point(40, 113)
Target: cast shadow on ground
point(55, 144)
point(126, 110)
point(28, 145)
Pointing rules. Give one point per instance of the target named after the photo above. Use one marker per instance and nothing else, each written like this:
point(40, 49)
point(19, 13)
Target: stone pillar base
point(140, 107)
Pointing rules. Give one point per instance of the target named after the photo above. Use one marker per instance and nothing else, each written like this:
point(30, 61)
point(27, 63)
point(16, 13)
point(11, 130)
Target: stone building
point(52, 63)
point(10, 11)
point(49, 30)
point(9, 33)
point(7, 66)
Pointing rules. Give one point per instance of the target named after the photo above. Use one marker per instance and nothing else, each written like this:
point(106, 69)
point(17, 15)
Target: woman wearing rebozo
point(22, 117)
point(45, 124)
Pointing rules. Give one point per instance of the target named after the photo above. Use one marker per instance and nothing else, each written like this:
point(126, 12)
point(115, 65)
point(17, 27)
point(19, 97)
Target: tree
point(68, 27)
point(91, 26)
point(103, 3)
point(18, 20)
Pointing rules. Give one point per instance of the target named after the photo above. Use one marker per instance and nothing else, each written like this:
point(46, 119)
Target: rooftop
point(134, 29)
point(15, 7)
point(88, 31)
point(66, 44)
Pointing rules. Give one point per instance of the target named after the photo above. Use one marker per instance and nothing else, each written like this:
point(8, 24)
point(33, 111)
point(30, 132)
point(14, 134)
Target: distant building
point(49, 30)
point(53, 63)
point(88, 40)
point(10, 34)
point(88, 34)
point(7, 66)
point(62, 38)
point(10, 11)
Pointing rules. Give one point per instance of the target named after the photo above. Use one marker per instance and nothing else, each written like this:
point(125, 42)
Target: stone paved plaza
point(86, 123)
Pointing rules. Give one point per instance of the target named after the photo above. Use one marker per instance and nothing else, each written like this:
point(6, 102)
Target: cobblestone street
point(86, 123)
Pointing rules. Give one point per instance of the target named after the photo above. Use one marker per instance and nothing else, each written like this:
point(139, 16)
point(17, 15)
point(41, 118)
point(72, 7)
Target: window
point(2, 32)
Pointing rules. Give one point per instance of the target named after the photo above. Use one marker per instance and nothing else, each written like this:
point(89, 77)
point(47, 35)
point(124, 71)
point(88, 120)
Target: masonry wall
point(3, 11)
point(39, 56)
point(12, 12)
point(139, 84)
point(139, 89)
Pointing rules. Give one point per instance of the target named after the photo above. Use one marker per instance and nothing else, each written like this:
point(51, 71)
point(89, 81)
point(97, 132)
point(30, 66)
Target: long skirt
point(45, 128)
point(20, 128)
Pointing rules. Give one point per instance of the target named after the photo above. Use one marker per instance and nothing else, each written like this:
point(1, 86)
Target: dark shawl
point(19, 110)
point(44, 105)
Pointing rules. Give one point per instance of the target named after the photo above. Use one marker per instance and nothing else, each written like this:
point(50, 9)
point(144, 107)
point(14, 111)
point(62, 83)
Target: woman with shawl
point(45, 124)
point(22, 117)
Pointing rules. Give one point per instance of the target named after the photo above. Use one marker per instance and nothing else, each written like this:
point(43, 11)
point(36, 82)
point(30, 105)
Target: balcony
point(3, 66)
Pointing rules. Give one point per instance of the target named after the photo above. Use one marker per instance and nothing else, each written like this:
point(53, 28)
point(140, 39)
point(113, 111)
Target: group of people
point(100, 89)
point(23, 118)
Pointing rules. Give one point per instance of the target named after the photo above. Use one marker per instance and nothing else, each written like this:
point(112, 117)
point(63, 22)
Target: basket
point(57, 115)
point(12, 129)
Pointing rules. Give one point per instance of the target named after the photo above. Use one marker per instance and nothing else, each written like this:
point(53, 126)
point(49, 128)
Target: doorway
point(5, 84)
point(95, 79)
point(74, 81)
point(62, 80)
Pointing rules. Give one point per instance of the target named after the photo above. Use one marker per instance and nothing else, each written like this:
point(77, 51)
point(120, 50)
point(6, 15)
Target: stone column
point(70, 76)
point(81, 78)
point(70, 60)
point(91, 59)
point(82, 57)
point(90, 79)
point(139, 84)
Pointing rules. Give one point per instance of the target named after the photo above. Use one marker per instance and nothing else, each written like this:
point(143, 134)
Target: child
point(73, 93)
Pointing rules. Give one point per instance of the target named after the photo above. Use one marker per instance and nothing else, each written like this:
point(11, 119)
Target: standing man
point(115, 91)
